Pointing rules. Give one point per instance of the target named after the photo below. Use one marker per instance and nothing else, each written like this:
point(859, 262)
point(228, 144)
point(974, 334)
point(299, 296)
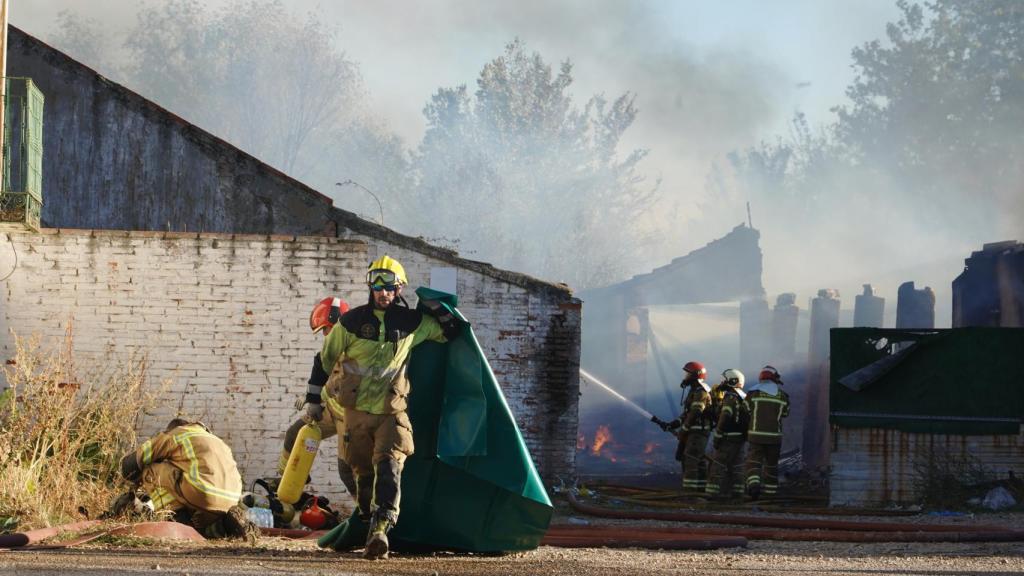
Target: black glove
point(661, 423)
point(449, 324)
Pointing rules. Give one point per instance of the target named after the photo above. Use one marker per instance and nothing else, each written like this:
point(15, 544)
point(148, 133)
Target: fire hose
point(799, 529)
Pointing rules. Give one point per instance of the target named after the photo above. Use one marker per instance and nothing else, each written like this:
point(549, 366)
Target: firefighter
point(694, 425)
point(188, 471)
point(730, 431)
point(768, 405)
point(371, 344)
point(322, 319)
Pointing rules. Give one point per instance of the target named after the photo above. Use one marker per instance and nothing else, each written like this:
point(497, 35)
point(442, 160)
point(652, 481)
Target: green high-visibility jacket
point(768, 405)
point(373, 347)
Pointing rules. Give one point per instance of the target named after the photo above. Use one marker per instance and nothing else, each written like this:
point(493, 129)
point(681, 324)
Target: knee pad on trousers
point(386, 490)
point(364, 494)
point(348, 478)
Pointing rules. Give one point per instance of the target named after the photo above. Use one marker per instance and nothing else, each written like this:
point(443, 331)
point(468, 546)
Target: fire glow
point(601, 437)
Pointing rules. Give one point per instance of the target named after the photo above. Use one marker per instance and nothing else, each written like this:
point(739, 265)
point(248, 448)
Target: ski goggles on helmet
point(381, 276)
point(388, 287)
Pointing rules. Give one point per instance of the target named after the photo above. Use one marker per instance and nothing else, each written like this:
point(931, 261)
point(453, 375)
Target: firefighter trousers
point(725, 468)
point(763, 469)
point(376, 446)
point(694, 466)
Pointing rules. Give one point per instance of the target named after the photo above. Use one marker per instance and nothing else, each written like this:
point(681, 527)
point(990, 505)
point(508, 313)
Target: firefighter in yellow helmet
point(187, 470)
point(728, 437)
point(372, 344)
point(769, 404)
point(322, 319)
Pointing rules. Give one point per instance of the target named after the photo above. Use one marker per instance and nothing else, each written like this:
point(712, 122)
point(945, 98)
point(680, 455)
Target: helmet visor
point(381, 276)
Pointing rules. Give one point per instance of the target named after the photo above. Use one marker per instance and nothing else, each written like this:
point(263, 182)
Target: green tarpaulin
point(471, 485)
point(951, 381)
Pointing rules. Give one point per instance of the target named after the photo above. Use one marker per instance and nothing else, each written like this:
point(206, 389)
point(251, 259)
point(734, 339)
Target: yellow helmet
point(386, 270)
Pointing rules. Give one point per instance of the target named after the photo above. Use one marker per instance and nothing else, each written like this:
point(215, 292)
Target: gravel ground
point(759, 558)
point(280, 556)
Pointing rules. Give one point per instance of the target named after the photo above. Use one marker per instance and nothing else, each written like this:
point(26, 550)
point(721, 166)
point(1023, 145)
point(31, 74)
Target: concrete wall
point(877, 467)
point(223, 319)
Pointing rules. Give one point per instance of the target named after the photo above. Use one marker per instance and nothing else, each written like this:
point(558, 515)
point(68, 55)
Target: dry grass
point(63, 431)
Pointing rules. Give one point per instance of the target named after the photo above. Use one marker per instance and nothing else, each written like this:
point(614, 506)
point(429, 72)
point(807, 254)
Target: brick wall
point(223, 319)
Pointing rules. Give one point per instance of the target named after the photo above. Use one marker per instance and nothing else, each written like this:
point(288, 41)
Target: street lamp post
point(354, 183)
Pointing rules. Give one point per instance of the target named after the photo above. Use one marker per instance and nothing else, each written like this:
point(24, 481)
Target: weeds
point(946, 481)
point(63, 430)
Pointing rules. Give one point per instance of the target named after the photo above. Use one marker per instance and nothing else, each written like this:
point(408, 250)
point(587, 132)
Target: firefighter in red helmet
point(769, 404)
point(324, 316)
point(693, 425)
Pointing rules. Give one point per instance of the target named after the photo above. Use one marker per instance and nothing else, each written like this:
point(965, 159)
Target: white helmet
point(733, 377)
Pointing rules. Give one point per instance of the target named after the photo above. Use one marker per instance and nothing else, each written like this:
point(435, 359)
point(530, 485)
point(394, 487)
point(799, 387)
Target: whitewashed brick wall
point(224, 319)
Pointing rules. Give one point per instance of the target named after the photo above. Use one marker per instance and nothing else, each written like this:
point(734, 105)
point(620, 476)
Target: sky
point(747, 66)
point(406, 50)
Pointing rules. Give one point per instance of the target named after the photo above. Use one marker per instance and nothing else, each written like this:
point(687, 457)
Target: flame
point(601, 437)
point(649, 447)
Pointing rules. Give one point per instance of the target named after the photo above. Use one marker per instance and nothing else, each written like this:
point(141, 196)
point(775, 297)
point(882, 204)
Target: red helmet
point(695, 370)
point(326, 313)
point(770, 373)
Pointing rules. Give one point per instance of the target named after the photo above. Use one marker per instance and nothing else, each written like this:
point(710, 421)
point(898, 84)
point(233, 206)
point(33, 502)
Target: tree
point(525, 179)
point(272, 83)
point(940, 108)
point(928, 149)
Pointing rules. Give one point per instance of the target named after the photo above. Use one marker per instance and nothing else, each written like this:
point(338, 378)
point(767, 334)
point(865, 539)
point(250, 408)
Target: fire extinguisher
point(300, 462)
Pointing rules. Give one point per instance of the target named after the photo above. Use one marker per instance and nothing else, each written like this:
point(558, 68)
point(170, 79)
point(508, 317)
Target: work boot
point(236, 524)
point(377, 540)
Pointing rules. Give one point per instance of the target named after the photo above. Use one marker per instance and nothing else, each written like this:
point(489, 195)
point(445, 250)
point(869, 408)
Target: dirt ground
point(280, 556)
point(758, 558)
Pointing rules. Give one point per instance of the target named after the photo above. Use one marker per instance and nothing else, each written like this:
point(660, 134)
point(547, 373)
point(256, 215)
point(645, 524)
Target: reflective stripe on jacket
point(205, 461)
point(696, 408)
point(373, 347)
point(733, 417)
point(766, 414)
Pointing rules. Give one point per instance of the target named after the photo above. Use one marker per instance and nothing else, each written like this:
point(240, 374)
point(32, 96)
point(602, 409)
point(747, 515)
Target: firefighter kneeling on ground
point(730, 432)
point(768, 405)
point(324, 316)
point(694, 425)
point(372, 342)
point(188, 471)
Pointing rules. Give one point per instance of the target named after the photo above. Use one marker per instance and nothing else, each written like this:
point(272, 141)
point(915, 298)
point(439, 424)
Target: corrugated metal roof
point(873, 466)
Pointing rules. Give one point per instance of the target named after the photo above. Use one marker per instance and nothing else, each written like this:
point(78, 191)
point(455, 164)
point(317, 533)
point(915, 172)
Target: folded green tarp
point(471, 484)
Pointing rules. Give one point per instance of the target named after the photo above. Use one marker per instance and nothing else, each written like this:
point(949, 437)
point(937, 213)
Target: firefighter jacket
point(696, 404)
point(373, 348)
point(733, 416)
point(209, 477)
point(717, 395)
point(768, 405)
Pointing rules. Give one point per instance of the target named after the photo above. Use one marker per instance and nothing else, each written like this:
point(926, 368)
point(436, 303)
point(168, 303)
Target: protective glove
point(661, 423)
point(314, 412)
point(449, 324)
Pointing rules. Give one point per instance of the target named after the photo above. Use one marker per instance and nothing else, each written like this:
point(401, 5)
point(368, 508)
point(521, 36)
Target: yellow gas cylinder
point(300, 462)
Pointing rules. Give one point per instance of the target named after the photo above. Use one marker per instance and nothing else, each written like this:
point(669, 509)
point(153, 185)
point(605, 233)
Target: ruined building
point(990, 290)
point(162, 239)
